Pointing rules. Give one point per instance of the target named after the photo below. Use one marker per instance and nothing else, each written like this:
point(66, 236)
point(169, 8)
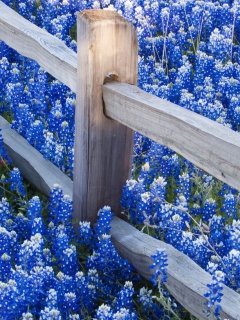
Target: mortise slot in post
point(111, 77)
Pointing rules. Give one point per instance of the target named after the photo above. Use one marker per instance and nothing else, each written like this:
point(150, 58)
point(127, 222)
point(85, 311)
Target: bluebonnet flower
point(151, 9)
point(232, 269)
point(187, 100)
point(69, 110)
point(215, 294)
point(209, 209)
point(230, 205)
point(60, 25)
point(34, 208)
point(31, 252)
point(202, 250)
point(5, 240)
point(70, 304)
point(145, 298)
point(129, 9)
point(212, 265)
point(175, 225)
point(183, 79)
point(39, 280)
point(161, 218)
point(47, 257)
point(220, 43)
point(150, 308)
point(184, 189)
point(56, 196)
point(48, 147)
point(130, 197)
point(233, 240)
point(106, 259)
point(144, 207)
point(145, 174)
point(38, 89)
point(6, 214)
point(51, 300)
point(160, 265)
point(218, 234)
point(58, 92)
point(103, 222)
point(60, 241)
point(21, 226)
point(85, 233)
point(5, 50)
point(24, 10)
point(186, 244)
point(37, 226)
point(158, 189)
point(205, 67)
point(60, 208)
point(64, 214)
point(4, 70)
point(27, 316)
point(9, 299)
point(50, 314)
point(69, 261)
point(58, 158)
point(34, 134)
point(196, 210)
point(3, 152)
point(55, 117)
point(15, 181)
point(23, 118)
point(125, 314)
point(5, 267)
point(64, 284)
point(22, 289)
point(124, 297)
point(86, 287)
point(104, 312)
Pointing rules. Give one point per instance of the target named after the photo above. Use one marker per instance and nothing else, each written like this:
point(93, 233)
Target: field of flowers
point(189, 54)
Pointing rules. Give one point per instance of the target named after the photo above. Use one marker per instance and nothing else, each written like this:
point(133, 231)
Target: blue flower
point(160, 265)
point(215, 294)
point(15, 181)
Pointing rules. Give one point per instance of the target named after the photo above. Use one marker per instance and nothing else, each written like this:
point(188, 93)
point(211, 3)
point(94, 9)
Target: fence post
point(107, 44)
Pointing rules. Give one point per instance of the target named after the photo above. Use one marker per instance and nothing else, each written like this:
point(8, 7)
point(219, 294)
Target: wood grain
point(37, 170)
point(103, 147)
point(209, 145)
point(186, 280)
point(35, 43)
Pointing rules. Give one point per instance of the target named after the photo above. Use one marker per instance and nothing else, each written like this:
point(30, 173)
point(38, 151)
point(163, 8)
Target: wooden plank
point(186, 281)
point(35, 43)
point(209, 145)
point(107, 44)
point(37, 170)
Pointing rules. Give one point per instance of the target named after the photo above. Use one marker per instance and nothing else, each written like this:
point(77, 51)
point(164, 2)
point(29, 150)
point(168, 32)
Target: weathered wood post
point(107, 44)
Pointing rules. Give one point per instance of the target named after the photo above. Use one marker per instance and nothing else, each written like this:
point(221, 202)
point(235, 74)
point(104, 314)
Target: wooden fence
point(107, 114)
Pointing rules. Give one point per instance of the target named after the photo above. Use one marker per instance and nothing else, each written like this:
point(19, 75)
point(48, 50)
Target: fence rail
point(39, 171)
point(206, 143)
point(107, 45)
point(37, 44)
